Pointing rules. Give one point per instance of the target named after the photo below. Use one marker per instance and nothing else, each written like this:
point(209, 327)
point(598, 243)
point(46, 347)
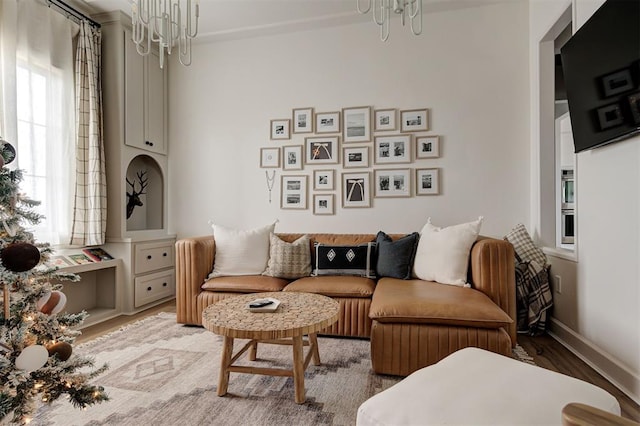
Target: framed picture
point(292, 157)
point(634, 104)
point(384, 119)
point(392, 183)
point(321, 150)
point(323, 180)
point(610, 116)
point(303, 120)
point(356, 124)
point(280, 129)
point(328, 122)
point(269, 157)
point(323, 204)
point(414, 120)
point(617, 82)
point(294, 192)
point(356, 190)
point(392, 149)
point(356, 156)
point(427, 146)
point(427, 181)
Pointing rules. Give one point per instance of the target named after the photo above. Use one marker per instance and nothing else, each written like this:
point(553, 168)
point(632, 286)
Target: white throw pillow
point(443, 253)
point(240, 252)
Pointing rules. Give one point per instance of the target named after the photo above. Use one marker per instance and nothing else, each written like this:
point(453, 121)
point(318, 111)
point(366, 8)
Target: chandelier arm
point(384, 6)
point(417, 16)
point(417, 4)
point(192, 34)
point(385, 28)
point(360, 10)
point(185, 58)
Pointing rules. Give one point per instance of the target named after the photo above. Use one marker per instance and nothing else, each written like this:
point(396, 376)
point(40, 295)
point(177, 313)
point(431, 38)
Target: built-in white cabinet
point(135, 134)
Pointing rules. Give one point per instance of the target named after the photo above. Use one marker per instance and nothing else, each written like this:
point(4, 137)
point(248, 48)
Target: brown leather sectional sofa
point(411, 323)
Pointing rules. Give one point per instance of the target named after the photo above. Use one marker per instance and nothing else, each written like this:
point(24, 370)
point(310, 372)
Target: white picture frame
point(356, 190)
point(414, 120)
point(356, 124)
point(269, 158)
point(292, 157)
point(328, 122)
point(280, 129)
point(322, 150)
point(390, 183)
point(303, 120)
point(427, 147)
point(293, 193)
point(323, 180)
point(355, 157)
point(428, 181)
point(323, 204)
point(394, 149)
point(384, 120)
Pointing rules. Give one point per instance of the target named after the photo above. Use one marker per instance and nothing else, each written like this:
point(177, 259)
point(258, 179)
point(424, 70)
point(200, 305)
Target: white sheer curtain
point(37, 108)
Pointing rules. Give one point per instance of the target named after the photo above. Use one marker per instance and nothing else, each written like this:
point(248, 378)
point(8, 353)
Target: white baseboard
point(605, 364)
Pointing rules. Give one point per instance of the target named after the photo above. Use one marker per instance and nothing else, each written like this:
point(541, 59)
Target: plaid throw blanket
point(533, 293)
point(533, 296)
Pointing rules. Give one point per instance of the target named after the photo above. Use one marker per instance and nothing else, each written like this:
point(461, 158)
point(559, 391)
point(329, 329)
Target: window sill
point(561, 253)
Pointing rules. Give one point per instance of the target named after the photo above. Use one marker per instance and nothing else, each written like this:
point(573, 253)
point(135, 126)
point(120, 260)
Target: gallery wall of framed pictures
point(352, 156)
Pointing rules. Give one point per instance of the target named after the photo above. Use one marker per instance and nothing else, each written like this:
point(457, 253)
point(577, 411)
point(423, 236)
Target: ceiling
point(227, 19)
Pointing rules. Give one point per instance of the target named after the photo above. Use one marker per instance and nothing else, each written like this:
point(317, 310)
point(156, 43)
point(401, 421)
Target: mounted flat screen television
point(601, 66)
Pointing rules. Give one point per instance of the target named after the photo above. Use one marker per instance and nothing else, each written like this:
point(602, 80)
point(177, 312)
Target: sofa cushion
point(395, 258)
point(240, 252)
point(288, 260)
point(427, 302)
point(345, 260)
point(245, 284)
point(443, 253)
point(334, 286)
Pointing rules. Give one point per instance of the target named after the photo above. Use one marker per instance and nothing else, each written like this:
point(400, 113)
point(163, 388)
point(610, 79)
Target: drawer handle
point(164, 284)
point(164, 254)
point(149, 257)
point(148, 288)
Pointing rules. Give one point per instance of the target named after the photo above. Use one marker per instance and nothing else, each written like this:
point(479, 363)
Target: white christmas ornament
point(32, 357)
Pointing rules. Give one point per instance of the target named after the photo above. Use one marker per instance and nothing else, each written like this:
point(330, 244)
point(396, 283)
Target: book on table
point(97, 254)
point(267, 304)
point(80, 258)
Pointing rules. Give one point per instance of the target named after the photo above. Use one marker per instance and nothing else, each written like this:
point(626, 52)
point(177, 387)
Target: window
point(43, 138)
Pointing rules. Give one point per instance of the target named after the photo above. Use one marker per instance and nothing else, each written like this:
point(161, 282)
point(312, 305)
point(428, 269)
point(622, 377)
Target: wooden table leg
point(253, 351)
point(225, 362)
point(313, 340)
point(298, 369)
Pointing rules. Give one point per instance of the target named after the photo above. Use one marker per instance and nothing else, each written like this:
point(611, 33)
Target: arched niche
point(144, 170)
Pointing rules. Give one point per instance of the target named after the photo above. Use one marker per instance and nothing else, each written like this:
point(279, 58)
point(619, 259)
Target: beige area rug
point(163, 373)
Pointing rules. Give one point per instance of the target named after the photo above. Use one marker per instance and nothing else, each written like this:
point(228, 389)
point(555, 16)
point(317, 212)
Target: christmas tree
point(36, 336)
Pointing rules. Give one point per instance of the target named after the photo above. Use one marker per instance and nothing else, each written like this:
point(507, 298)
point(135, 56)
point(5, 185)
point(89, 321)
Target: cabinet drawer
point(153, 256)
point(152, 287)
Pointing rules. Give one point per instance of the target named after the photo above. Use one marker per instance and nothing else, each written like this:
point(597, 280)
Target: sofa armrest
point(493, 273)
point(194, 261)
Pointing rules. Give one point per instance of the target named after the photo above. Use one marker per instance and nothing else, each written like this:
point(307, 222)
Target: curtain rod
point(71, 11)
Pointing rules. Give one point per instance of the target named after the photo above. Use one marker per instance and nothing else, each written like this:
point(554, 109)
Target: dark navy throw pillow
point(395, 258)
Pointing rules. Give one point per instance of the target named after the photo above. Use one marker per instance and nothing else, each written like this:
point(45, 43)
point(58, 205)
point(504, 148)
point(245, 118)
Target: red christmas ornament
point(20, 257)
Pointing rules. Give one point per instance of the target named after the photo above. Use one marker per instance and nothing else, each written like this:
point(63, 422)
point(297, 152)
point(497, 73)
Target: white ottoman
point(477, 387)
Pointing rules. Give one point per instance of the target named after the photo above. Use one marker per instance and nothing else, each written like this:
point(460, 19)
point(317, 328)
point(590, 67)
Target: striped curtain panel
point(90, 200)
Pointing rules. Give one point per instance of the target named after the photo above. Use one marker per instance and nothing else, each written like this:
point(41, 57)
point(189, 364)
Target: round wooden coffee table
point(299, 314)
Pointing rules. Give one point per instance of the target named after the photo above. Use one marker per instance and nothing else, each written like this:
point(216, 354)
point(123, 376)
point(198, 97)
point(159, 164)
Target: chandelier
point(410, 10)
point(166, 22)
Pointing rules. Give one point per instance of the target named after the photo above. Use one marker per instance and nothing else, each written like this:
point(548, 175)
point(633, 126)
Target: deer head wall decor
point(133, 197)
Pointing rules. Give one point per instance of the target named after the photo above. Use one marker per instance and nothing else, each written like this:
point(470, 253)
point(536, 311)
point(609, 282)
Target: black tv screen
point(601, 66)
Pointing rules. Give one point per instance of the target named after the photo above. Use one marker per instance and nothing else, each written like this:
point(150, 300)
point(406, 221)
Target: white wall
point(598, 313)
point(470, 68)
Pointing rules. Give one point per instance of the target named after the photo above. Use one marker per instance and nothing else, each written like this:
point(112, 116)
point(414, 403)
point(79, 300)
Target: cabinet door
point(155, 104)
point(134, 95)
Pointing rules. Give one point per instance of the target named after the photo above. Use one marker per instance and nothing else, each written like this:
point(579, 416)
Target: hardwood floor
point(546, 352)
point(550, 354)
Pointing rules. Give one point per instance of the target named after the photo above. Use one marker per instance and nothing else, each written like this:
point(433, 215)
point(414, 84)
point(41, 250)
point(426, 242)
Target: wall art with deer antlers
point(133, 197)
